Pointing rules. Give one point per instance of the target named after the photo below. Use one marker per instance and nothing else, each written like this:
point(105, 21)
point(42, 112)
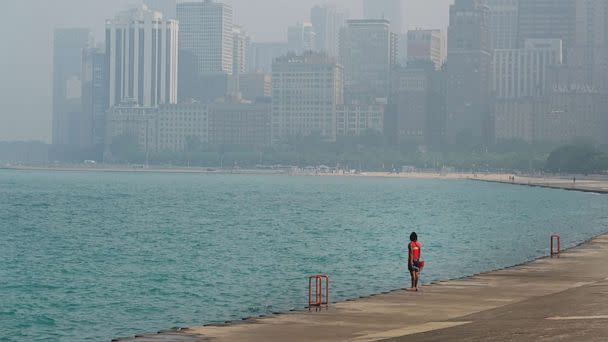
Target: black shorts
point(415, 267)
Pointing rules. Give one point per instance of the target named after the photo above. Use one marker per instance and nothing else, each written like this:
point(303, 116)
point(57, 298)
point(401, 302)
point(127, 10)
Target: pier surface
point(597, 184)
point(563, 298)
point(547, 299)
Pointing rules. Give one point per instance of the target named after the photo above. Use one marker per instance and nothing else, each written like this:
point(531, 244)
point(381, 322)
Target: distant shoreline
point(591, 183)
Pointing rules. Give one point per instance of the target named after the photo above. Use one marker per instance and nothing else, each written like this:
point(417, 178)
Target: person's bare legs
point(414, 277)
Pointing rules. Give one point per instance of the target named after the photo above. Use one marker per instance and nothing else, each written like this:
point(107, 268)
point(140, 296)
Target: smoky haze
point(27, 26)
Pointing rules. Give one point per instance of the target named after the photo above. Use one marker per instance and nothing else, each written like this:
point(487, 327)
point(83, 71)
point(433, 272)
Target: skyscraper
point(469, 60)
point(301, 37)
point(390, 10)
point(326, 22)
point(544, 19)
point(425, 45)
point(503, 23)
point(206, 31)
point(519, 73)
point(306, 90)
point(418, 94)
point(68, 48)
point(242, 44)
point(240, 53)
point(368, 51)
point(142, 52)
point(590, 50)
point(95, 99)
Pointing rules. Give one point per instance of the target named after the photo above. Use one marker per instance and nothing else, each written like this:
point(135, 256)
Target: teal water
point(92, 256)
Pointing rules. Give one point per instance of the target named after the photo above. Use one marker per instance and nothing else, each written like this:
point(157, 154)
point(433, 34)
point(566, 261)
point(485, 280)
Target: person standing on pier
point(414, 265)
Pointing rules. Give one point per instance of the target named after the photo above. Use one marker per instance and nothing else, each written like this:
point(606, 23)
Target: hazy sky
point(27, 31)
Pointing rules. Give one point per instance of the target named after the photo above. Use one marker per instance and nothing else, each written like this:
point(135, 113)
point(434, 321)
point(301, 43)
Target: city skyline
point(27, 97)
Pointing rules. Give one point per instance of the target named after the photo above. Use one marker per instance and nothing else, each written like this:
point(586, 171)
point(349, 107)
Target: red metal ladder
point(320, 297)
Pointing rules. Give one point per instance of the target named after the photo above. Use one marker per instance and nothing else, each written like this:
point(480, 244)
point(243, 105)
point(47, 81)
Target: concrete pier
point(547, 299)
point(585, 184)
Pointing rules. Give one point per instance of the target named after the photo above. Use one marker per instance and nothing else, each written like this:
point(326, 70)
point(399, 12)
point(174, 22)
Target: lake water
point(92, 256)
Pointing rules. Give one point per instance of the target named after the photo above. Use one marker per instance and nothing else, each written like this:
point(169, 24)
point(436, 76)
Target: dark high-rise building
point(469, 61)
point(368, 52)
point(544, 19)
point(95, 98)
point(68, 48)
point(590, 50)
point(503, 23)
point(418, 94)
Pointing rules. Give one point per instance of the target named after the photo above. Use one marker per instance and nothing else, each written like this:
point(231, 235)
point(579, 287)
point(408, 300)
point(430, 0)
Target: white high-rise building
point(206, 31)
point(142, 52)
point(240, 54)
point(519, 73)
point(306, 90)
point(327, 21)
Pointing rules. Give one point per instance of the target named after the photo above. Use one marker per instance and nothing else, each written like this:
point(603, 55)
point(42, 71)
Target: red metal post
point(555, 242)
point(319, 289)
point(309, 291)
point(327, 290)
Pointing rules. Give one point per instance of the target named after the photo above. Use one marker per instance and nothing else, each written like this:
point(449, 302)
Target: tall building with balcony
point(142, 53)
point(469, 73)
point(306, 90)
point(69, 45)
point(368, 52)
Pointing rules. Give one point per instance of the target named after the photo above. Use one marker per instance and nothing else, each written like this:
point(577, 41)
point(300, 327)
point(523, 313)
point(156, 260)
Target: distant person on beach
point(414, 265)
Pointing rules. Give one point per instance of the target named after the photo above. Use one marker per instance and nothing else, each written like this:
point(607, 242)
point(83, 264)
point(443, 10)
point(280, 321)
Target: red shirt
point(415, 248)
